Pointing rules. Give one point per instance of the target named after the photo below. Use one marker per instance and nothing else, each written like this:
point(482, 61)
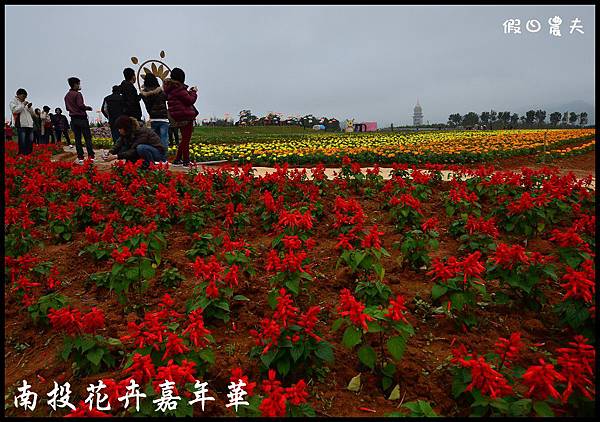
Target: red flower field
point(468, 296)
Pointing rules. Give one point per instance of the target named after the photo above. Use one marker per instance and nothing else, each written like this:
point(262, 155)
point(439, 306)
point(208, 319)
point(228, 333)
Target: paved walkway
point(261, 171)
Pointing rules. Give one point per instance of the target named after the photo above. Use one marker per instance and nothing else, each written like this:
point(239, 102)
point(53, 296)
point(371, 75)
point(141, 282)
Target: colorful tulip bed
point(352, 296)
point(455, 147)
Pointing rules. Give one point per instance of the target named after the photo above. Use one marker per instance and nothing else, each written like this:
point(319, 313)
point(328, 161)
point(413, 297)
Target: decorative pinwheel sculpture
point(157, 67)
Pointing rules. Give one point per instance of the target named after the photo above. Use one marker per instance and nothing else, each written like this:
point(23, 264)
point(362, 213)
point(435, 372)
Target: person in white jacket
point(23, 117)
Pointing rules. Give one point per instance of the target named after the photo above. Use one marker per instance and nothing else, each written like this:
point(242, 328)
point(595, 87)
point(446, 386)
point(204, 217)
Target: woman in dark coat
point(181, 101)
point(155, 101)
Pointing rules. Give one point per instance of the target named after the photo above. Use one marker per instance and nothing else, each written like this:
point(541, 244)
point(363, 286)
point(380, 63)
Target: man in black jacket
point(131, 98)
point(113, 107)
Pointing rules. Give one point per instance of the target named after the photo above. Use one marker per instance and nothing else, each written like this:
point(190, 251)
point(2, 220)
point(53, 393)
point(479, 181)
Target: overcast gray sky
point(363, 62)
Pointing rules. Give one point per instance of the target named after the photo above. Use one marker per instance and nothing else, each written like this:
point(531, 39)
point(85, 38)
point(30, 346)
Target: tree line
point(506, 119)
point(246, 118)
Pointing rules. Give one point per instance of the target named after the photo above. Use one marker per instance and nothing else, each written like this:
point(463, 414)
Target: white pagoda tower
point(418, 115)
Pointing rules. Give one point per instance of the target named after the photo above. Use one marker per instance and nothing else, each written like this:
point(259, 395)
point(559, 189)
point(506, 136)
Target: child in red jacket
point(180, 102)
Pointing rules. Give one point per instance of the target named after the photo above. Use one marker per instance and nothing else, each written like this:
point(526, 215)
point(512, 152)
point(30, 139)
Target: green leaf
point(438, 290)
point(367, 355)
point(207, 355)
point(389, 369)
point(147, 270)
point(520, 407)
point(396, 346)
point(283, 366)
point(87, 343)
point(352, 337)
point(293, 285)
point(267, 358)
point(337, 324)
point(354, 384)
point(373, 327)
point(95, 355)
point(297, 351)
point(240, 297)
point(395, 394)
point(542, 408)
point(426, 409)
point(324, 351)
point(272, 298)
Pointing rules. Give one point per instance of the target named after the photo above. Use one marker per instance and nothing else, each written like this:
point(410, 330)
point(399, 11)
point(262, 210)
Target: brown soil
point(422, 373)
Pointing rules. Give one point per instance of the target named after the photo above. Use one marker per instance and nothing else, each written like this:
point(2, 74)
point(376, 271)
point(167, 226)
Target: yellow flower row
point(390, 144)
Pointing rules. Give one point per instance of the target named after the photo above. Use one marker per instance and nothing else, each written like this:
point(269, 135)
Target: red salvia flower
point(297, 394)
point(273, 261)
point(579, 284)
point(212, 291)
point(273, 405)
point(577, 366)
point(174, 346)
point(196, 329)
point(141, 250)
point(142, 369)
point(509, 349)
point(122, 256)
point(508, 256)
point(353, 309)
point(92, 321)
point(372, 239)
point(541, 379)
point(485, 378)
point(344, 242)
point(285, 308)
point(443, 271)
point(179, 374)
point(83, 411)
point(396, 309)
point(65, 319)
point(309, 320)
point(232, 276)
point(431, 224)
point(237, 374)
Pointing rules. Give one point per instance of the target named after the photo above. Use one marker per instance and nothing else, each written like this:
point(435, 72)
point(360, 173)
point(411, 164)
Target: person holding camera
point(180, 101)
point(23, 117)
point(79, 119)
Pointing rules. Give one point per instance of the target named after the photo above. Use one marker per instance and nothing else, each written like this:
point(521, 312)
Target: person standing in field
point(155, 101)
point(45, 125)
point(61, 126)
point(113, 107)
point(37, 127)
point(79, 119)
point(173, 134)
point(131, 98)
point(181, 101)
point(23, 117)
